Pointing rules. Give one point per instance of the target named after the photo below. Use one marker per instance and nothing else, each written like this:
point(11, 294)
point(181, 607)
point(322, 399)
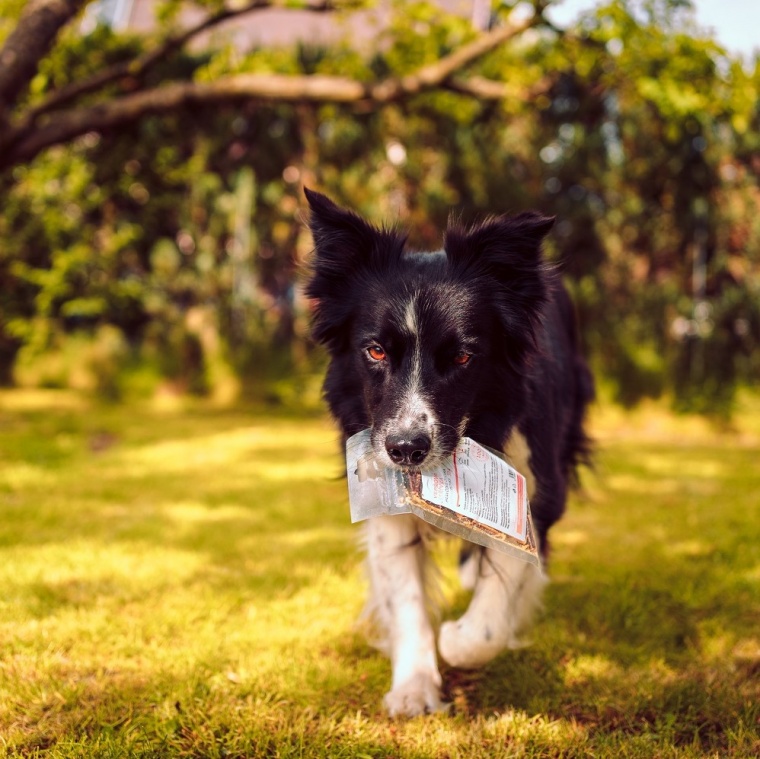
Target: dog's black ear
point(506, 250)
point(340, 236)
point(344, 243)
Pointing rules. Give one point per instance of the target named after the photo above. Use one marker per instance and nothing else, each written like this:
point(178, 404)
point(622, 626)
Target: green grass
point(184, 582)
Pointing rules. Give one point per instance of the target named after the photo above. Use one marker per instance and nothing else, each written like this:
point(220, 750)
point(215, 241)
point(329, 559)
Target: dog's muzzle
point(408, 449)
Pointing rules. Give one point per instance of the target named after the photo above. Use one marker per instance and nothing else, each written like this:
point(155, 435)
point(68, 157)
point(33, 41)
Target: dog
point(478, 339)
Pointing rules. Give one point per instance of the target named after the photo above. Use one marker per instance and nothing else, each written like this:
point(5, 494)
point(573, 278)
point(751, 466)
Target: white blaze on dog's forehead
point(414, 407)
point(410, 316)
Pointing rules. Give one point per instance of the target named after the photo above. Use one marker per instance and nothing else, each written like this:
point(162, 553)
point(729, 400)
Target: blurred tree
point(129, 203)
point(673, 109)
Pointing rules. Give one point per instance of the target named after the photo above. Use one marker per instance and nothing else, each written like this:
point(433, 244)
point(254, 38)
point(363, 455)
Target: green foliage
point(642, 138)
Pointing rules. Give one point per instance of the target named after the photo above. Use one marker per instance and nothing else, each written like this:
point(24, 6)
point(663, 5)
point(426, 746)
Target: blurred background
point(153, 155)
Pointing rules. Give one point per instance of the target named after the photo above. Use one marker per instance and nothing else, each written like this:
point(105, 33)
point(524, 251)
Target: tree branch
point(24, 142)
point(26, 139)
point(488, 89)
point(29, 41)
point(436, 73)
point(141, 65)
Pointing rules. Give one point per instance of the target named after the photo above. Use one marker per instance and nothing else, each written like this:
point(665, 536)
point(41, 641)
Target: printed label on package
point(481, 486)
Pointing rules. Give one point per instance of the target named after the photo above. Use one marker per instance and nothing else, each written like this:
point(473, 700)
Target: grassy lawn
point(184, 582)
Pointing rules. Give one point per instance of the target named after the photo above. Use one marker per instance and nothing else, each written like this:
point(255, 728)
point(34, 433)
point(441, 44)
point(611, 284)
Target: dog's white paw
point(418, 695)
point(466, 646)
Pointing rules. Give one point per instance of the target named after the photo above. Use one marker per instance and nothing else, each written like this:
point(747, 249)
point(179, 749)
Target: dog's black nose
point(408, 450)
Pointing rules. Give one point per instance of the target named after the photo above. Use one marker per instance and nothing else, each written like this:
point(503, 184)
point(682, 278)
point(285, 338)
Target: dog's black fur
point(484, 330)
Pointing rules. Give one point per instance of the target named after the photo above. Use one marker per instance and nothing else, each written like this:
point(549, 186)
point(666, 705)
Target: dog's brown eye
point(462, 358)
point(376, 353)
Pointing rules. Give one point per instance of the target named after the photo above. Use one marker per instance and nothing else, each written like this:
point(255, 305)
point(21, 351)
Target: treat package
point(475, 495)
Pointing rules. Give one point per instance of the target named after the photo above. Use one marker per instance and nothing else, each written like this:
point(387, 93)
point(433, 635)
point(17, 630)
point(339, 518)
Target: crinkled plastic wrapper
point(475, 495)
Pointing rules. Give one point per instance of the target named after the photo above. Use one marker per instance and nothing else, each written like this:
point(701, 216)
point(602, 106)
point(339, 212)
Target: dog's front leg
point(397, 557)
point(507, 592)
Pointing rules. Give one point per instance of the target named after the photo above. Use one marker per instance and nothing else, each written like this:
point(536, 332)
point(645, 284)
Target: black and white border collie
point(477, 340)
